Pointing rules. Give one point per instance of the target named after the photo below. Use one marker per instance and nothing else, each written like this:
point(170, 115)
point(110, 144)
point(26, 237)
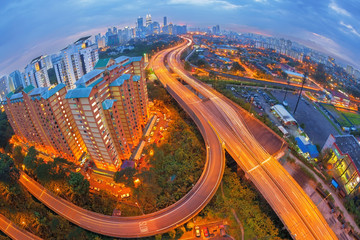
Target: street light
point(139, 208)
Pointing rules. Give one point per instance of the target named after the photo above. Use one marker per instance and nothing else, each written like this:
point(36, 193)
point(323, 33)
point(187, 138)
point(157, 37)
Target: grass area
point(331, 122)
point(337, 115)
point(353, 117)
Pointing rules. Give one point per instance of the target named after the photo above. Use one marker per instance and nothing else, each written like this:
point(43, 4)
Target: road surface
point(13, 231)
point(290, 202)
point(164, 220)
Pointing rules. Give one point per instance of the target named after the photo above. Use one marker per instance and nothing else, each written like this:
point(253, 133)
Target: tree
point(237, 67)
point(5, 130)
point(30, 161)
point(43, 171)
point(8, 172)
point(18, 155)
point(187, 66)
point(125, 176)
point(79, 185)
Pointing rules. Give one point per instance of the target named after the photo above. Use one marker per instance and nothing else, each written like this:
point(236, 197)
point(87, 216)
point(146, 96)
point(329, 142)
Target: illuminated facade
point(345, 159)
point(109, 105)
point(42, 117)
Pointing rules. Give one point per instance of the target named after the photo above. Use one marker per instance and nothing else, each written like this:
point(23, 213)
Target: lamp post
point(302, 86)
point(139, 208)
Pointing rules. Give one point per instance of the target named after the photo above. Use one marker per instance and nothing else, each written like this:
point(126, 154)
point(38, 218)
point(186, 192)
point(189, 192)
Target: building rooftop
point(283, 113)
point(102, 63)
point(350, 145)
point(38, 91)
point(136, 78)
point(121, 59)
point(90, 75)
point(16, 96)
point(294, 73)
point(112, 67)
point(108, 103)
point(82, 39)
point(79, 93)
point(120, 80)
point(53, 90)
point(96, 82)
point(10, 94)
point(28, 88)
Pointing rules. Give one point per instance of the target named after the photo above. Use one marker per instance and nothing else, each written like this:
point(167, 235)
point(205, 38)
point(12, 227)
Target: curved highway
point(290, 202)
point(164, 220)
point(15, 232)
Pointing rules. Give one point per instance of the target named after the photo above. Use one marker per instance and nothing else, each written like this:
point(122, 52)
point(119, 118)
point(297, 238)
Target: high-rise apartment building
point(165, 21)
point(103, 116)
point(16, 80)
point(75, 61)
point(148, 20)
point(4, 87)
point(36, 73)
point(49, 122)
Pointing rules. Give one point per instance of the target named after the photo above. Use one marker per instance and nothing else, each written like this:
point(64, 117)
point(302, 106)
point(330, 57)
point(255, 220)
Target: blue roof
point(135, 59)
point(294, 73)
point(112, 67)
point(136, 78)
point(121, 59)
point(120, 80)
point(108, 103)
point(16, 96)
point(79, 93)
point(38, 91)
point(84, 79)
point(96, 82)
point(307, 148)
point(53, 90)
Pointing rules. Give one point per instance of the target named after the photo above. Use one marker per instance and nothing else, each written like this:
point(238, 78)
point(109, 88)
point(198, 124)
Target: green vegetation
point(5, 130)
point(352, 204)
point(354, 118)
point(21, 208)
point(176, 164)
point(259, 220)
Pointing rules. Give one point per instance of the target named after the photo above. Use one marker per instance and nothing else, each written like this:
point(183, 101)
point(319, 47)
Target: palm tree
point(302, 86)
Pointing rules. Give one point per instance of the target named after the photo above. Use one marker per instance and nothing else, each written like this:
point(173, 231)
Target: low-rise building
point(345, 160)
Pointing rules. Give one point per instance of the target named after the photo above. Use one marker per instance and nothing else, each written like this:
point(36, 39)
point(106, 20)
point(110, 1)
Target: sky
point(30, 28)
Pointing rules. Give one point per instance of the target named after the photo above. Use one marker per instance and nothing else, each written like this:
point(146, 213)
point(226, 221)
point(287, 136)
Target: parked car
point(206, 231)
point(197, 231)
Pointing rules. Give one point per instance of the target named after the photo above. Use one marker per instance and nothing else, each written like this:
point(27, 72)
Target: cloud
point(222, 3)
point(333, 6)
point(350, 28)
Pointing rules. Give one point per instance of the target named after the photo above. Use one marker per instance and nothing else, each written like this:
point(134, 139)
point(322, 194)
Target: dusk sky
point(30, 28)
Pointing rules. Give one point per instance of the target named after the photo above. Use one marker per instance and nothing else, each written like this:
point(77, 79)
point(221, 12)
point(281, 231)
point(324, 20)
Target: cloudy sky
point(30, 28)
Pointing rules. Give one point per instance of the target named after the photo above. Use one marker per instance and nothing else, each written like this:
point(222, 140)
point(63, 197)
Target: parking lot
point(316, 126)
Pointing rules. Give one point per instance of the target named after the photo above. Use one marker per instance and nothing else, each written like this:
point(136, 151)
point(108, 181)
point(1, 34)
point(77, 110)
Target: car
point(197, 231)
point(96, 189)
point(154, 128)
point(206, 231)
point(149, 140)
point(151, 134)
point(78, 169)
point(285, 103)
point(157, 120)
point(116, 195)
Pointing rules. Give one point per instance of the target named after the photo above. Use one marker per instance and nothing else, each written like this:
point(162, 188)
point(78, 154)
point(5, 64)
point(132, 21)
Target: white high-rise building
point(36, 72)
point(4, 87)
point(75, 61)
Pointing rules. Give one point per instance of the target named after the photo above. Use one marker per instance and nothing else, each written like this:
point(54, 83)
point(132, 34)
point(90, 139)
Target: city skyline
point(338, 39)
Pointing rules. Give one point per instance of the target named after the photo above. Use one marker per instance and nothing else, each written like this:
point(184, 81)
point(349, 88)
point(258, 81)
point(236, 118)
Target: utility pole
point(286, 89)
point(302, 86)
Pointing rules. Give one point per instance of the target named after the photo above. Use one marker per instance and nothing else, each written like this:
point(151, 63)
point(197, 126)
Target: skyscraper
point(165, 21)
point(148, 20)
point(4, 87)
point(16, 80)
point(140, 23)
point(78, 59)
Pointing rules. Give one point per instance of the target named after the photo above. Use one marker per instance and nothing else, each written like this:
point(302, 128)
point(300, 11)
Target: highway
point(13, 231)
point(158, 222)
point(290, 202)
